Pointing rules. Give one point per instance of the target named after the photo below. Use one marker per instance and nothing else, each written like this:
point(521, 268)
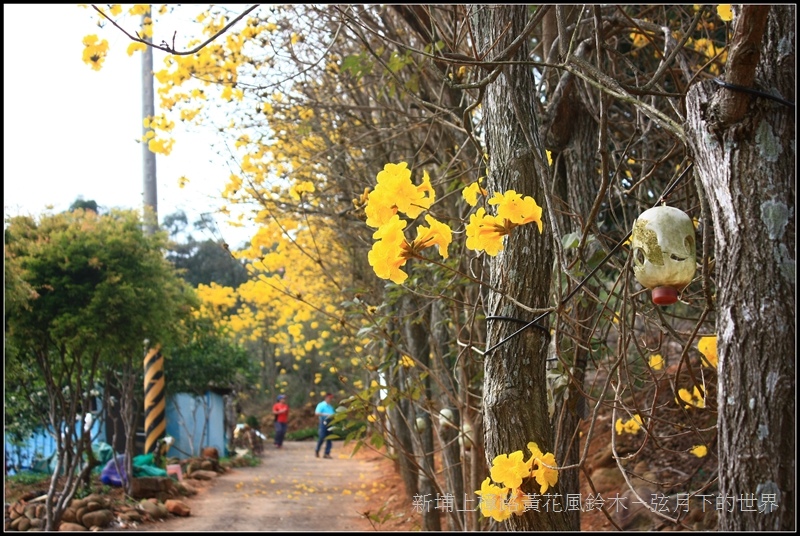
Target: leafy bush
point(302, 434)
point(349, 429)
point(27, 478)
point(246, 460)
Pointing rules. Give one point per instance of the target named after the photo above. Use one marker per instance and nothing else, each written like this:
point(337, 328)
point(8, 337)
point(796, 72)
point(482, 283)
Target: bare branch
point(171, 49)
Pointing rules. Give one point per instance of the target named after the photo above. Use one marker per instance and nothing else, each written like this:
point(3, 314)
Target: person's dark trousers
point(280, 432)
point(323, 433)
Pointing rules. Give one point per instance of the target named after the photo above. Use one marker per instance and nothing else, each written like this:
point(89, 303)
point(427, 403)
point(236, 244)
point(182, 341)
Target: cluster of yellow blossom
point(95, 51)
point(725, 12)
point(708, 347)
point(501, 499)
point(639, 40)
point(632, 426)
point(395, 194)
point(134, 47)
point(695, 398)
point(407, 362)
point(137, 9)
point(656, 362)
point(158, 145)
point(485, 232)
point(299, 188)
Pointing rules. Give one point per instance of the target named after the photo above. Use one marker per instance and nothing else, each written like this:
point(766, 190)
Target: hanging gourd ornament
point(664, 258)
point(421, 423)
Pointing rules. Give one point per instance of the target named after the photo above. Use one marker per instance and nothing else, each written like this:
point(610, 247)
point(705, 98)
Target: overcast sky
point(71, 131)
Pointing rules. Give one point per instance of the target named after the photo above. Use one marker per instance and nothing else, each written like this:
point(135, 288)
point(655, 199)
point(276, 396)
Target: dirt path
point(291, 490)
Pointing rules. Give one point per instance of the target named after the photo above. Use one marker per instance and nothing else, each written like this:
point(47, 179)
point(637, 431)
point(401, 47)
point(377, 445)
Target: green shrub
point(300, 435)
point(246, 460)
point(28, 478)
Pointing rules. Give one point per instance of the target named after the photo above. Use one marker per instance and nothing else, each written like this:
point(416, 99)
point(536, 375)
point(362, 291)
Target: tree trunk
point(416, 319)
point(399, 417)
point(129, 407)
point(515, 389)
point(747, 169)
point(449, 397)
point(404, 447)
point(453, 473)
point(571, 133)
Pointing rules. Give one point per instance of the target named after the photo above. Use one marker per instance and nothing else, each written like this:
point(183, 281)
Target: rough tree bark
point(417, 318)
point(570, 131)
point(746, 164)
point(515, 390)
point(452, 463)
point(399, 417)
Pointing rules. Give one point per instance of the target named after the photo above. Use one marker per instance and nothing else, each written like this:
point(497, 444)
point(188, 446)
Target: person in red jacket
point(281, 412)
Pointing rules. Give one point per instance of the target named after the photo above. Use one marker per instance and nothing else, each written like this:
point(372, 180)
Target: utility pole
point(150, 185)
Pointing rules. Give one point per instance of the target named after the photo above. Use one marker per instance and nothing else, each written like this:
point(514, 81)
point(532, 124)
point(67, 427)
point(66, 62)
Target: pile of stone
point(158, 498)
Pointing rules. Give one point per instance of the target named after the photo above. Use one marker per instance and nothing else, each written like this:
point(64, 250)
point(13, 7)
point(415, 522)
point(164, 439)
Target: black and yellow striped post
point(155, 423)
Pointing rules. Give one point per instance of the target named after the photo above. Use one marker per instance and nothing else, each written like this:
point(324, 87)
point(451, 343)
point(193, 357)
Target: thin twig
point(164, 46)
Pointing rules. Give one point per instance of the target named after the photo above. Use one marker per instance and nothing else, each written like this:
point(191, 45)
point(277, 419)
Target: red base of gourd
point(664, 295)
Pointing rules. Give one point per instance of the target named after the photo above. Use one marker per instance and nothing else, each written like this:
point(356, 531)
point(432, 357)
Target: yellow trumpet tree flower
point(510, 470)
point(493, 501)
point(725, 12)
point(708, 347)
point(656, 362)
point(542, 467)
point(470, 193)
point(396, 195)
point(695, 399)
point(95, 51)
point(485, 232)
point(631, 426)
